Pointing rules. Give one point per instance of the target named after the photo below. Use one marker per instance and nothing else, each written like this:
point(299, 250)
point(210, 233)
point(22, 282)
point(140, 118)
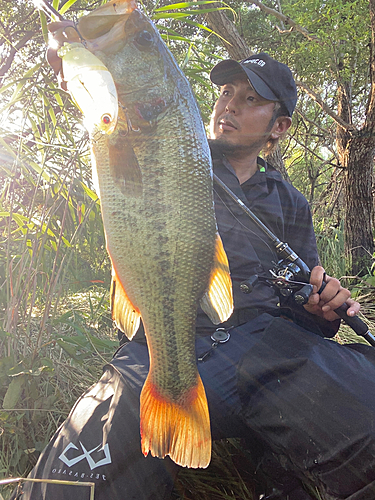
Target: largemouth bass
point(153, 168)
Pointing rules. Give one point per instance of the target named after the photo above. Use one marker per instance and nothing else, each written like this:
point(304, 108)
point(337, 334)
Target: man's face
point(241, 118)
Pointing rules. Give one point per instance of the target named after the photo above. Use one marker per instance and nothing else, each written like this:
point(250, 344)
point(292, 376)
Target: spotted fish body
point(155, 183)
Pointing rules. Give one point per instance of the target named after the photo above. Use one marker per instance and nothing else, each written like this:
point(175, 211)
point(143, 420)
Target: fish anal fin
point(217, 302)
point(179, 429)
point(124, 314)
point(124, 166)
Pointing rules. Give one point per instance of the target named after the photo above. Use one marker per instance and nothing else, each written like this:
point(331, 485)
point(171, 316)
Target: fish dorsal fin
point(217, 302)
point(124, 314)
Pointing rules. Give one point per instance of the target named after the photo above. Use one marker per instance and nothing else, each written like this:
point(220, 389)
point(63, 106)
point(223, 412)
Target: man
point(306, 403)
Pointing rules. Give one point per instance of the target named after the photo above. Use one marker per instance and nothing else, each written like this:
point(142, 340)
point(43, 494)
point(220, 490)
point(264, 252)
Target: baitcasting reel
point(285, 277)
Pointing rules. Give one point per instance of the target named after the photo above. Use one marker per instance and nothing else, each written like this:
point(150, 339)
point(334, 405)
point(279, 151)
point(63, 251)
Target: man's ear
point(281, 125)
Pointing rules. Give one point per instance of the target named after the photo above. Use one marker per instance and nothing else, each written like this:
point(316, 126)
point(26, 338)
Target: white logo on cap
point(259, 62)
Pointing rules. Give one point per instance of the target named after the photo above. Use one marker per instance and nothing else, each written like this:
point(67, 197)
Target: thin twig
point(287, 20)
point(342, 123)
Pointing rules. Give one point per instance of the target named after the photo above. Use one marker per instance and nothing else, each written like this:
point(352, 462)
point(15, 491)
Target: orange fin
point(217, 302)
point(179, 429)
point(124, 314)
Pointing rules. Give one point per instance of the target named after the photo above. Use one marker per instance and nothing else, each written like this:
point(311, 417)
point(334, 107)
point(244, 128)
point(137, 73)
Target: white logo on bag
point(86, 455)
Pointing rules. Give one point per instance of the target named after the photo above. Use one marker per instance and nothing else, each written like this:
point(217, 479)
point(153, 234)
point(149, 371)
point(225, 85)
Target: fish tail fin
point(178, 429)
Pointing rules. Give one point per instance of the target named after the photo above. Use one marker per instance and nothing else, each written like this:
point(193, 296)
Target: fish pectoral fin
point(124, 314)
point(124, 167)
point(180, 429)
point(217, 302)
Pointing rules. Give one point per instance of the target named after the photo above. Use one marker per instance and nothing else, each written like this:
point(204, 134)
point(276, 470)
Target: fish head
point(80, 72)
point(145, 74)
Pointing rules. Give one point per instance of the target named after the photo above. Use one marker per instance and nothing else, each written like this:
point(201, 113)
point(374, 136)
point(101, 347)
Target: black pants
point(310, 400)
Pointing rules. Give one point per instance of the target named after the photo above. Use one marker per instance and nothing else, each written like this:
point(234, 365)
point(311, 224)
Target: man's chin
point(221, 146)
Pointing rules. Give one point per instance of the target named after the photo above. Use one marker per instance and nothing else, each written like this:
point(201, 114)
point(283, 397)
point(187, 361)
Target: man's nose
point(232, 106)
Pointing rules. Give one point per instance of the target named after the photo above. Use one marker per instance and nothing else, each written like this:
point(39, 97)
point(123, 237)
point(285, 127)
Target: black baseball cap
point(271, 79)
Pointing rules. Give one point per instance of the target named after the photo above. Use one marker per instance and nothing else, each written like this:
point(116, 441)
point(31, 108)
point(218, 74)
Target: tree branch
point(370, 115)
point(342, 123)
point(325, 162)
point(317, 125)
point(14, 49)
point(286, 20)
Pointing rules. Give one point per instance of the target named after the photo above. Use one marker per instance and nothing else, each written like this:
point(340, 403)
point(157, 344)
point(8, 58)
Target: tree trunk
point(359, 163)
point(275, 159)
point(223, 26)
point(356, 151)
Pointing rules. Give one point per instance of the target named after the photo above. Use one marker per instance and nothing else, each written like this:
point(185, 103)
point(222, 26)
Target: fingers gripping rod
point(284, 251)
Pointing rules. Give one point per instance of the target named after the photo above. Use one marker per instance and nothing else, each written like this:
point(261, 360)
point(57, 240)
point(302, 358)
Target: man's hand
point(332, 297)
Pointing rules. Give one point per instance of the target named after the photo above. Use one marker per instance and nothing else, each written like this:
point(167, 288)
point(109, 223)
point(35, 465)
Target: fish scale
point(121, 232)
point(155, 185)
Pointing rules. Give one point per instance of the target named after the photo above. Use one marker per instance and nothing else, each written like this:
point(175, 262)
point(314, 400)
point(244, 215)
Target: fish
point(154, 175)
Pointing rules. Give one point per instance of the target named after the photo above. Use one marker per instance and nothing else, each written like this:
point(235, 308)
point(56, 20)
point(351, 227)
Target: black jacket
point(285, 211)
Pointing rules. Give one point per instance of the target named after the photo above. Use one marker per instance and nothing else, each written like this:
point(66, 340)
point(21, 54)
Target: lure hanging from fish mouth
point(89, 83)
point(91, 86)
point(84, 75)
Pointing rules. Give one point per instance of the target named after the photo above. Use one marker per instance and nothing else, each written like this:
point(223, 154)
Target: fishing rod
point(291, 275)
point(48, 9)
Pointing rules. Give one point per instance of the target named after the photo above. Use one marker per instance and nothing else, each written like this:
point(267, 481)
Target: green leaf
point(64, 318)
point(22, 82)
point(14, 392)
point(184, 5)
point(103, 344)
point(174, 37)
point(43, 24)
point(172, 15)
point(66, 242)
point(67, 6)
point(69, 349)
point(90, 192)
point(80, 340)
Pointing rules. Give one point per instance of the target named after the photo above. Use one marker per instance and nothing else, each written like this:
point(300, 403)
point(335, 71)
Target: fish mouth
point(104, 27)
point(101, 21)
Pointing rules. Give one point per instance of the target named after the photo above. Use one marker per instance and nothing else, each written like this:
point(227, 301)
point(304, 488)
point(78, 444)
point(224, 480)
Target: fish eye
point(144, 39)
point(106, 119)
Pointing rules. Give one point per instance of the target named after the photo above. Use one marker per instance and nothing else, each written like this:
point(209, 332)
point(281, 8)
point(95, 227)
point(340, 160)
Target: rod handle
point(354, 322)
